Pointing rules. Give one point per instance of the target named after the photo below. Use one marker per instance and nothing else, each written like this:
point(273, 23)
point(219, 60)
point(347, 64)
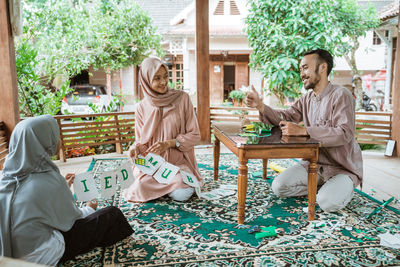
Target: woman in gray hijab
point(40, 221)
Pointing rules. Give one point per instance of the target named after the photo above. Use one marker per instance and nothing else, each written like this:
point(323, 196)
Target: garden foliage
point(280, 32)
point(63, 38)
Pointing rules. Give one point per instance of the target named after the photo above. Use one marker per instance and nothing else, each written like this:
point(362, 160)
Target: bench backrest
point(371, 127)
point(80, 131)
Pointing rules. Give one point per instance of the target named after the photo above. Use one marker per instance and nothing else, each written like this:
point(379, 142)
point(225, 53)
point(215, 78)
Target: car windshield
point(84, 94)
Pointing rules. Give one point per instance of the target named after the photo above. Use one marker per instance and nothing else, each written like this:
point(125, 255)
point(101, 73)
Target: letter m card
point(166, 173)
point(85, 187)
point(108, 184)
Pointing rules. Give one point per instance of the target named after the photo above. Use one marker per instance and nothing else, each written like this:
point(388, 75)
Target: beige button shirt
point(330, 119)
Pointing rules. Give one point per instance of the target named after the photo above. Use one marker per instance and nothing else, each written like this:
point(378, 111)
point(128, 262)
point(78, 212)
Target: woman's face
point(160, 81)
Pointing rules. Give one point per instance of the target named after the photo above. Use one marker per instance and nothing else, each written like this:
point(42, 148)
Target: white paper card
point(390, 240)
point(125, 175)
point(189, 179)
point(198, 191)
point(166, 173)
point(390, 148)
point(210, 196)
point(154, 160)
point(223, 192)
point(146, 169)
point(85, 187)
point(108, 184)
point(228, 186)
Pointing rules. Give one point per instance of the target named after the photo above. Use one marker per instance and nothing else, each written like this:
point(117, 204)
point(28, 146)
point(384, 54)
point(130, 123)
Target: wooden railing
point(95, 130)
point(371, 127)
point(3, 145)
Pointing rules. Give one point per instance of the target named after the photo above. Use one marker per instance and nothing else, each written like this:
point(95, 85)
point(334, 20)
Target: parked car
point(77, 101)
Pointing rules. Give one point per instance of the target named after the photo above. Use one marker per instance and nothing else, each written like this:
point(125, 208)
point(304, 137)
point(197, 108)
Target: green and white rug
point(205, 233)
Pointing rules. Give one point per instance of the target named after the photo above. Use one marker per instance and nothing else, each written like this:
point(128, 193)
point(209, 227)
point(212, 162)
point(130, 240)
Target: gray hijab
point(34, 196)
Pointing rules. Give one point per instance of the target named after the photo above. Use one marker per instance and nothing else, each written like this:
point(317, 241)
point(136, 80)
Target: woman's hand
point(134, 152)
point(70, 177)
point(93, 204)
point(160, 146)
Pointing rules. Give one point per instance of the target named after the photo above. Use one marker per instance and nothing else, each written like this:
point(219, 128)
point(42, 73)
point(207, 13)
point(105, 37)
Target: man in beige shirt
point(328, 114)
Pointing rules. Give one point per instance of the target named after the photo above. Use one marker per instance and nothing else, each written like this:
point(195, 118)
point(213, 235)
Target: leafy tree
point(354, 23)
point(280, 32)
point(66, 37)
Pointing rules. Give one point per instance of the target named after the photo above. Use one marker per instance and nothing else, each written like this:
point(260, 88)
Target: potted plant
point(237, 97)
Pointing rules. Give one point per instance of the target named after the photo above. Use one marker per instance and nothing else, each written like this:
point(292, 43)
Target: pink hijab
point(148, 69)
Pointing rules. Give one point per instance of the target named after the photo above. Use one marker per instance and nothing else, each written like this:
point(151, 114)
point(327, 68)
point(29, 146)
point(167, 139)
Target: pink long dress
point(178, 122)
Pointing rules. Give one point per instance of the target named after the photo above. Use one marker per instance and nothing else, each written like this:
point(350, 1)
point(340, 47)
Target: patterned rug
point(205, 233)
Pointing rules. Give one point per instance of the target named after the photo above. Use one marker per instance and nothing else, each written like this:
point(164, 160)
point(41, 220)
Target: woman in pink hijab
point(165, 125)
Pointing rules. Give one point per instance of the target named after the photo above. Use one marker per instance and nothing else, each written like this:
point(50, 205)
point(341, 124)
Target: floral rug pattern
point(205, 233)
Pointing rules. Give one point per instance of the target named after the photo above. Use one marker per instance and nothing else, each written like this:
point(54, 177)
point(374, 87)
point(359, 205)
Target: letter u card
point(166, 173)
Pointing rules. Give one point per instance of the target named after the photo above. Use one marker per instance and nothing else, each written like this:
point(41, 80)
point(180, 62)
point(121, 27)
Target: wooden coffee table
point(274, 146)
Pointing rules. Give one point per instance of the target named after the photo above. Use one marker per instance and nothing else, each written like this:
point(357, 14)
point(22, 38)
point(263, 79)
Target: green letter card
point(125, 175)
point(153, 162)
point(85, 187)
point(108, 184)
point(189, 179)
point(166, 173)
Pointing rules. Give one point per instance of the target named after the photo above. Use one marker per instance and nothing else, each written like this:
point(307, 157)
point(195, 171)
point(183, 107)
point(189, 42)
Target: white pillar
point(389, 45)
point(186, 67)
point(386, 105)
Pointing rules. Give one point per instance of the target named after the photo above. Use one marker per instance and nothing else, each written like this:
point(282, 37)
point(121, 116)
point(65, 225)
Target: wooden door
point(216, 82)
point(241, 74)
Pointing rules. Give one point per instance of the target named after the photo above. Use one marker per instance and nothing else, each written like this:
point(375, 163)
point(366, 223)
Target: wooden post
point(136, 94)
point(118, 144)
point(202, 65)
point(9, 107)
point(396, 96)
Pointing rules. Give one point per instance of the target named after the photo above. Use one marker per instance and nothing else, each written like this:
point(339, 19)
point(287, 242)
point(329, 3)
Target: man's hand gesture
point(253, 100)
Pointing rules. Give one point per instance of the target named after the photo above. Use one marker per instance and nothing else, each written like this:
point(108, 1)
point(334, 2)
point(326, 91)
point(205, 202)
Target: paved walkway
point(381, 173)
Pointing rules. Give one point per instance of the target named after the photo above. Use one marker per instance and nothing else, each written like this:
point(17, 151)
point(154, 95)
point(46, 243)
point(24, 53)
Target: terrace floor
point(381, 173)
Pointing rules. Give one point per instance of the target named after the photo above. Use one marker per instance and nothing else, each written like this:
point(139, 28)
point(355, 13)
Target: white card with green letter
point(125, 175)
point(190, 179)
point(155, 161)
point(108, 184)
point(166, 173)
point(85, 187)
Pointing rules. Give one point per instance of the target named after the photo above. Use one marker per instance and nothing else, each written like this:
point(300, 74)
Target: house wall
point(368, 56)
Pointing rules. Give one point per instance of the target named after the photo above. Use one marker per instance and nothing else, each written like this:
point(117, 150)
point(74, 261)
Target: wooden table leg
point(312, 188)
point(216, 157)
point(265, 164)
point(242, 186)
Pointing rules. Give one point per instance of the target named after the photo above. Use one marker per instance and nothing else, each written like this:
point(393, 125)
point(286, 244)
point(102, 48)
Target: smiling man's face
point(310, 71)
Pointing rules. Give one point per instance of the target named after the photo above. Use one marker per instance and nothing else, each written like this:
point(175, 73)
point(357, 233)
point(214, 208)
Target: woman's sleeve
point(191, 137)
point(86, 211)
point(138, 130)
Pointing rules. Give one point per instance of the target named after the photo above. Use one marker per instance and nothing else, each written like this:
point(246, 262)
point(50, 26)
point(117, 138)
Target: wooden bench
point(371, 127)
point(3, 145)
point(80, 131)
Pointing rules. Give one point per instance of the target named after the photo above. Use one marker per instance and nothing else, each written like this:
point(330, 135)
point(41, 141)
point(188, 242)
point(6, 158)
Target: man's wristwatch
point(177, 144)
